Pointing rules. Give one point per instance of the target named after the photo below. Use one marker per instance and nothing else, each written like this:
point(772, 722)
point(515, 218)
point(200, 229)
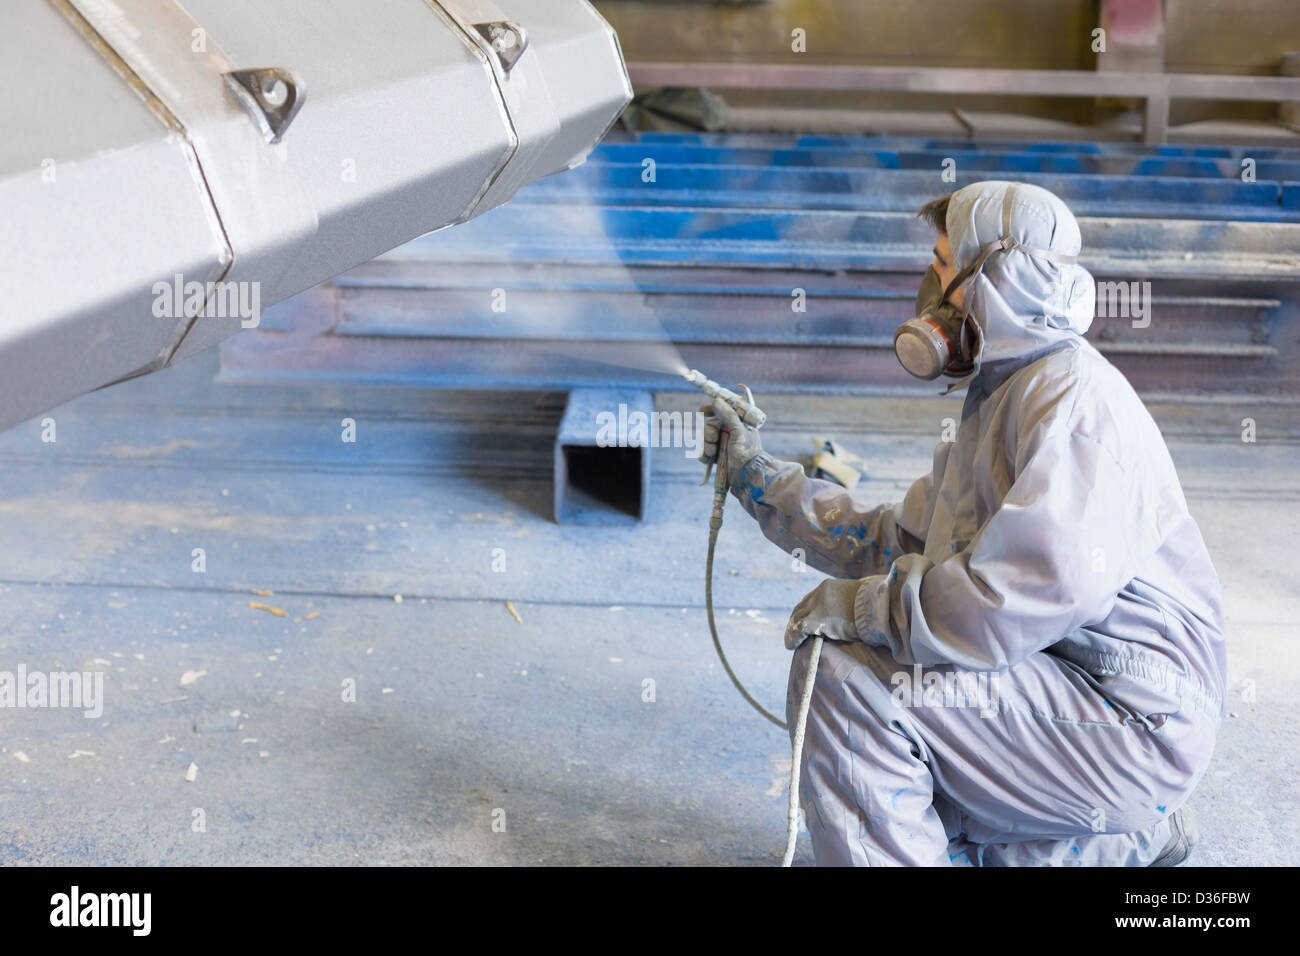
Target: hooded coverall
point(1050, 554)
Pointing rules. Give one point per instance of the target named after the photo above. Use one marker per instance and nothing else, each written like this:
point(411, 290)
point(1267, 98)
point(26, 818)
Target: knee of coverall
point(838, 661)
point(868, 702)
point(1188, 738)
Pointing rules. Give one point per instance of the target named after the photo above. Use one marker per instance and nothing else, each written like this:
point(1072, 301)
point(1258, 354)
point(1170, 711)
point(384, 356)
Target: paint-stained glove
point(826, 611)
point(743, 444)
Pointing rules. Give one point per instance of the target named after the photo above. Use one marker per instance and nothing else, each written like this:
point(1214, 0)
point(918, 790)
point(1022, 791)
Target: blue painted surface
point(700, 184)
point(872, 157)
point(915, 143)
point(812, 240)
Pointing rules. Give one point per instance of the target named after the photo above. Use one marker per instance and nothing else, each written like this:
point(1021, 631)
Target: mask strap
point(1005, 243)
point(974, 268)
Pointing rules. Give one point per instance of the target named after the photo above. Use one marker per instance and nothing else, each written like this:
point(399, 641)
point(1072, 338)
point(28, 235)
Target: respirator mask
point(941, 339)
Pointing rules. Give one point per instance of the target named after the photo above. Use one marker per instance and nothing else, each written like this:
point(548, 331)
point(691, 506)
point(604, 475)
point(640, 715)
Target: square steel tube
point(602, 468)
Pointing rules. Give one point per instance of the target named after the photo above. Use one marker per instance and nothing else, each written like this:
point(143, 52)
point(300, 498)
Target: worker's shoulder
point(1077, 391)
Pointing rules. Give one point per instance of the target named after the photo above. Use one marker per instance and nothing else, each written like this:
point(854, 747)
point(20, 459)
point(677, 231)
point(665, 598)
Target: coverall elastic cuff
point(756, 470)
point(872, 597)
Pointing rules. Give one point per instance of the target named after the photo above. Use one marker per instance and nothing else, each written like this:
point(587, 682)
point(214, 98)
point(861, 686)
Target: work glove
point(743, 444)
point(825, 611)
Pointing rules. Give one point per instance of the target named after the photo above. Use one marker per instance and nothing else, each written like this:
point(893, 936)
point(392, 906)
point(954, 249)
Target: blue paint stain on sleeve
point(857, 532)
point(893, 800)
point(1160, 808)
point(755, 485)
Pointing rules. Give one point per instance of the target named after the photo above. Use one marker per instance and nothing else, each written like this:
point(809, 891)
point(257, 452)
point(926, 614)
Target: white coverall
point(1050, 554)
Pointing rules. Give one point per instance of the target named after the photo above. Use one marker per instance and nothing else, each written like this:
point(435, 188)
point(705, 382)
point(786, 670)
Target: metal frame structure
point(1155, 89)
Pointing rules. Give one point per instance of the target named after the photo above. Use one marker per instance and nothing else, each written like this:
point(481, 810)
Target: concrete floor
point(464, 715)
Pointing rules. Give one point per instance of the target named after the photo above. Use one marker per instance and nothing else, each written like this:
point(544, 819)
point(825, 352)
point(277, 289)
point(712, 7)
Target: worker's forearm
point(837, 535)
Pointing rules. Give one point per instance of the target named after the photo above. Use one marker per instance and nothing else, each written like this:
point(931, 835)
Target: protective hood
point(1021, 302)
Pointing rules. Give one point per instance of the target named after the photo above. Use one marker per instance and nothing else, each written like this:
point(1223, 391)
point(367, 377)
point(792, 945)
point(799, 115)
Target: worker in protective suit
point(1024, 658)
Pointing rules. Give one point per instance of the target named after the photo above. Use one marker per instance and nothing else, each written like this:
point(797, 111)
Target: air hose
point(801, 721)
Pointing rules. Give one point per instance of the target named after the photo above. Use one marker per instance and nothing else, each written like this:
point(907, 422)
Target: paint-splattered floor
point(464, 716)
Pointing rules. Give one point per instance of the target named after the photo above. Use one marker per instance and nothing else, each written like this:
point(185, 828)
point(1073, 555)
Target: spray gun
point(749, 413)
point(754, 417)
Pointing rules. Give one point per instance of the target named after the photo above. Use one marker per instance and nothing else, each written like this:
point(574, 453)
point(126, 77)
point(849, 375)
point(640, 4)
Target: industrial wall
point(1199, 36)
